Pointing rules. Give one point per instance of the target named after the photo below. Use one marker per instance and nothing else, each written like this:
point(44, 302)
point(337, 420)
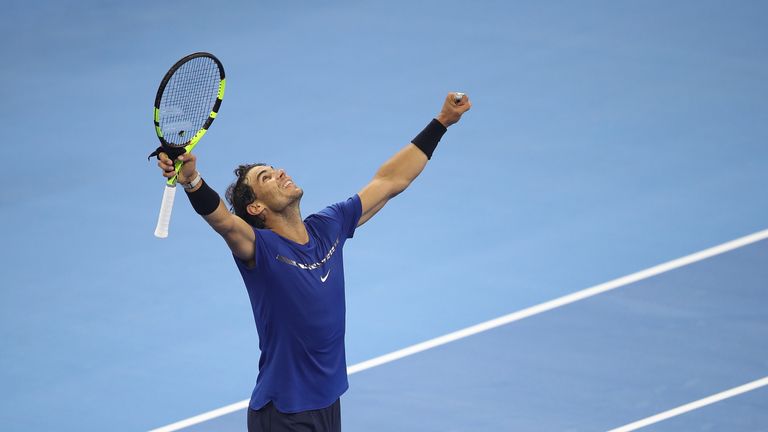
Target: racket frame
point(169, 193)
point(211, 117)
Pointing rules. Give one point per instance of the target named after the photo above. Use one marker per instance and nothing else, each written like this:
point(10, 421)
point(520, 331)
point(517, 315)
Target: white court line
point(693, 405)
point(506, 319)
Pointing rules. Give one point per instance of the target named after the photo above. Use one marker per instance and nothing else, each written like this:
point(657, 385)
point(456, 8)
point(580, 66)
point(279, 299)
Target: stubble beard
point(293, 202)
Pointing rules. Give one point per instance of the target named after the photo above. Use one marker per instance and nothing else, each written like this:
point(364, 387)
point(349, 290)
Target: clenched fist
point(453, 109)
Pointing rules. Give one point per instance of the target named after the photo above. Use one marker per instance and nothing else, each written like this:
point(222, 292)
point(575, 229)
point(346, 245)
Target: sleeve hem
point(358, 209)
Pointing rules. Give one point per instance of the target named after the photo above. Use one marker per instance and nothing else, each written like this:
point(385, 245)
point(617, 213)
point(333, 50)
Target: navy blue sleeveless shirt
point(297, 296)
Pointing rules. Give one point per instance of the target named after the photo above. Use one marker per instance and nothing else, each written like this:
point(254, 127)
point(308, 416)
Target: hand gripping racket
point(186, 104)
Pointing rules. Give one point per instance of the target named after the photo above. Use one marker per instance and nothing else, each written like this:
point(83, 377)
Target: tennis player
point(293, 271)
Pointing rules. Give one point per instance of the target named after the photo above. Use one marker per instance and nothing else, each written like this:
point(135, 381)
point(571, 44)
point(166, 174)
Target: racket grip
point(164, 218)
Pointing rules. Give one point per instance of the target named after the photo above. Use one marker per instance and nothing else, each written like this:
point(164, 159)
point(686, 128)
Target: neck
point(289, 224)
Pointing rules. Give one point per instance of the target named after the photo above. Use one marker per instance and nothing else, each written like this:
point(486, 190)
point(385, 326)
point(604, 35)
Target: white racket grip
point(164, 219)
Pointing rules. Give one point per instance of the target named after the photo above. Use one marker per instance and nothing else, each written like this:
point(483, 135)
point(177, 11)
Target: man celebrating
point(293, 271)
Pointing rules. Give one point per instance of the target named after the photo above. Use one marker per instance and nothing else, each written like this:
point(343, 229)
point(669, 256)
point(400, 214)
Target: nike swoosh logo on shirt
point(323, 278)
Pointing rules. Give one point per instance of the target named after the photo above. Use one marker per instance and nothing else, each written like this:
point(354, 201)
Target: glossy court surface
point(605, 138)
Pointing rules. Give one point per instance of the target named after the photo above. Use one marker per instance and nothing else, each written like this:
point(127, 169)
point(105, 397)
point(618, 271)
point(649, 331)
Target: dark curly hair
point(240, 194)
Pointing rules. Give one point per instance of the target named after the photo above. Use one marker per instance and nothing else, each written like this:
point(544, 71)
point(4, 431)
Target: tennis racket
point(186, 104)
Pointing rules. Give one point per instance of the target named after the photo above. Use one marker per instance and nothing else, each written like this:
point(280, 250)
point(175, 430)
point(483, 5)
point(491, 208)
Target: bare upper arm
point(392, 177)
point(242, 240)
point(375, 195)
point(238, 234)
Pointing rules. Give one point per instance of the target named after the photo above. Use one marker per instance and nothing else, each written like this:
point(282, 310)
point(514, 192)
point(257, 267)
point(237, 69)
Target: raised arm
point(235, 231)
point(401, 169)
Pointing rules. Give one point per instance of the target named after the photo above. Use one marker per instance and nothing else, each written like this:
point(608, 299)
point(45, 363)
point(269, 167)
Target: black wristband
point(204, 200)
point(427, 139)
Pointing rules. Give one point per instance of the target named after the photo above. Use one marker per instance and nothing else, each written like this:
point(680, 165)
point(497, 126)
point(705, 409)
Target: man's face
point(273, 187)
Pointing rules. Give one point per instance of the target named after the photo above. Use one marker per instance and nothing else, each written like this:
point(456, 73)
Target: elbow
point(390, 185)
point(397, 187)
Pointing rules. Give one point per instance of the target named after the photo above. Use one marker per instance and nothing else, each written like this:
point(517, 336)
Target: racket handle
point(457, 96)
point(164, 218)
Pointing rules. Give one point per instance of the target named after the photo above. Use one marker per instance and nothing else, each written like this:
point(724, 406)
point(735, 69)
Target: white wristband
point(193, 184)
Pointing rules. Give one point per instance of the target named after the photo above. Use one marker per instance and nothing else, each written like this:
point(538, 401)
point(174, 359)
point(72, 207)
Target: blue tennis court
point(602, 362)
point(522, 283)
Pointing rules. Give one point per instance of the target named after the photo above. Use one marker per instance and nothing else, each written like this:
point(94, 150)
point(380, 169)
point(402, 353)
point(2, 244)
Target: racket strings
point(188, 99)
